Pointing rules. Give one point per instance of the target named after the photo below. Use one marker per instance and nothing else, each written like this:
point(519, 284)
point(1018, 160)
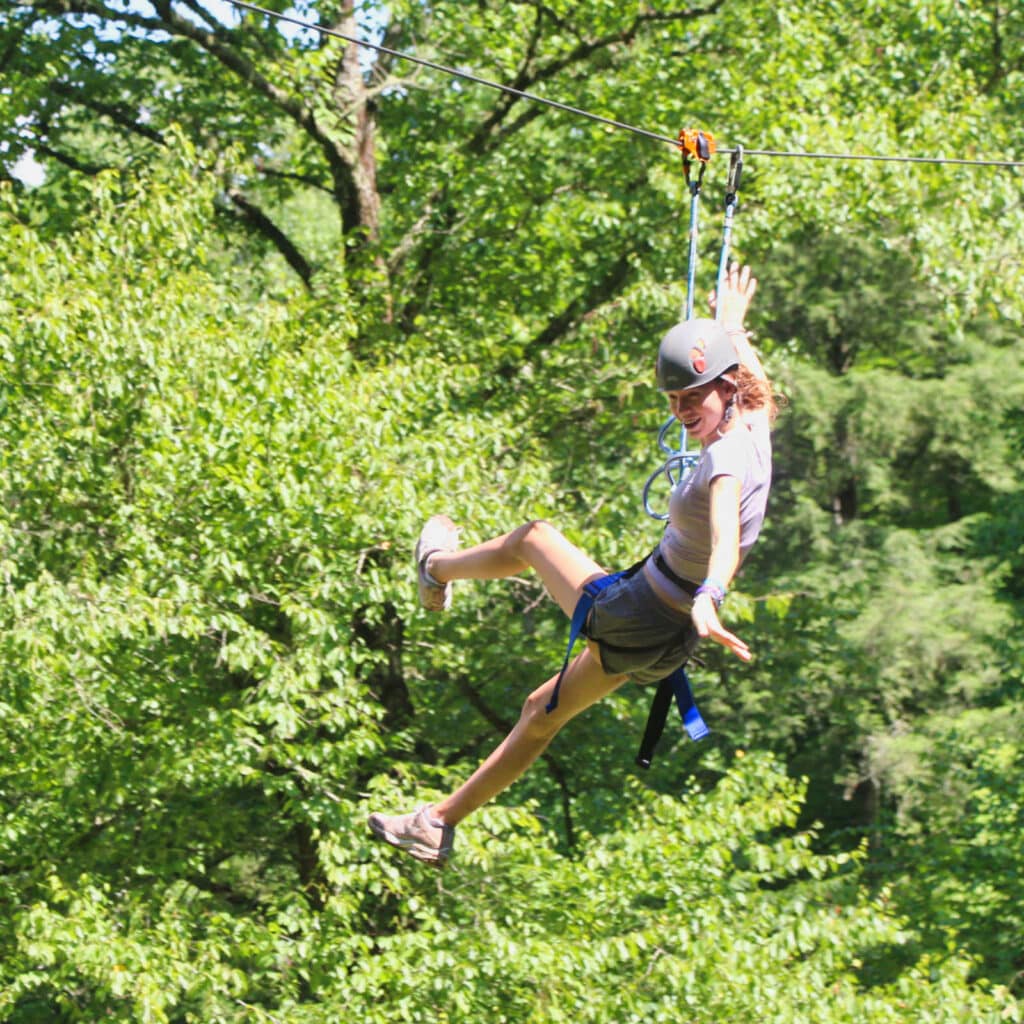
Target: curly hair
point(754, 393)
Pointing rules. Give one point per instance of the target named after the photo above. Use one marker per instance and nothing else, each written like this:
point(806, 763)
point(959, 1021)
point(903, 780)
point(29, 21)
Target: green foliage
point(708, 905)
point(229, 398)
point(961, 804)
point(728, 914)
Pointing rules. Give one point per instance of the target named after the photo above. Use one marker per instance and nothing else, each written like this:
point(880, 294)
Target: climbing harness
point(677, 684)
point(579, 620)
point(695, 146)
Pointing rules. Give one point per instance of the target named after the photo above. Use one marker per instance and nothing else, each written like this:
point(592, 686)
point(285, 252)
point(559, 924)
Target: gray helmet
point(694, 353)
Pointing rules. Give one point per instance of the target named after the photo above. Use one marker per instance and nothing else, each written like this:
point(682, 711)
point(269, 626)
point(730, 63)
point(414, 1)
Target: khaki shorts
point(638, 634)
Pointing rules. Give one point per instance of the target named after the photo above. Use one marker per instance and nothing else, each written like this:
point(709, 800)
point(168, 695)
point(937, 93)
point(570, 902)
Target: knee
point(534, 719)
point(529, 535)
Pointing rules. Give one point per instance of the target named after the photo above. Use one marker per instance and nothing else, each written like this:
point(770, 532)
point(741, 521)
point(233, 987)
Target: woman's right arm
point(737, 293)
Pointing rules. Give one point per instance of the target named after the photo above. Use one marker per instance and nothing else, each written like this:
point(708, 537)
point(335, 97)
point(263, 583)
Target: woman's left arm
point(722, 565)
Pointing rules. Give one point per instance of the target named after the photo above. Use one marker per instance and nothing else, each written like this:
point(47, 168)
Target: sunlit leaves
point(213, 660)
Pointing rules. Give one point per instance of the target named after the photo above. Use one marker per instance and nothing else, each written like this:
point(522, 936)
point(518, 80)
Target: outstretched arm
point(724, 560)
point(737, 293)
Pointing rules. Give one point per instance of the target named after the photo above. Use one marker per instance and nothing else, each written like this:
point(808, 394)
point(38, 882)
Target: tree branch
point(264, 226)
point(304, 179)
point(560, 324)
point(353, 186)
point(69, 161)
point(10, 52)
point(526, 80)
point(343, 170)
point(117, 113)
point(1001, 66)
point(202, 13)
point(97, 10)
point(215, 45)
point(490, 132)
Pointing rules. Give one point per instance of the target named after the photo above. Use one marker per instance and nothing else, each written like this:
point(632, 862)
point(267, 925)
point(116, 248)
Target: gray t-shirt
point(745, 452)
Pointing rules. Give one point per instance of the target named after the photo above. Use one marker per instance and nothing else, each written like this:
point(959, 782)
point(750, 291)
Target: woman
point(647, 624)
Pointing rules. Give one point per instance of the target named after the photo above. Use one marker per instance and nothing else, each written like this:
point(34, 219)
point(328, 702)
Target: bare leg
point(562, 567)
point(585, 683)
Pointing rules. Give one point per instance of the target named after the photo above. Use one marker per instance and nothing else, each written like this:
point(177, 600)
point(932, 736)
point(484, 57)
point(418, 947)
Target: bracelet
point(713, 589)
point(710, 581)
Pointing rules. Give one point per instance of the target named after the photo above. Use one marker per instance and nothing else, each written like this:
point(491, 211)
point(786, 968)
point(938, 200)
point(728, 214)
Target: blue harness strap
point(693, 721)
point(579, 619)
point(675, 685)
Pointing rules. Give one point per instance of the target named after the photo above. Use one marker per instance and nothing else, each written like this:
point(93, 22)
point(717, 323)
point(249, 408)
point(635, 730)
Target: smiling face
point(701, 409)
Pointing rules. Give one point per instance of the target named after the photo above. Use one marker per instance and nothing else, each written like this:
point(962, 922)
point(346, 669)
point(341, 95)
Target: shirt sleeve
point(729, 456)
point(758, 423)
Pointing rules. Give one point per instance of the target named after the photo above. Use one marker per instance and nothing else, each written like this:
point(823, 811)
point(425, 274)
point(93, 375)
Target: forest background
point(273, 299)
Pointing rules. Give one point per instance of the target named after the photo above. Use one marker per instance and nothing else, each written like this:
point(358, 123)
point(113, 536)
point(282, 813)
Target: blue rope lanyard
point(680, 461)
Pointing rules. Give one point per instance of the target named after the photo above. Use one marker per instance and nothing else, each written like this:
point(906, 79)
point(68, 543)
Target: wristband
point(710, 581)
point(713, 589)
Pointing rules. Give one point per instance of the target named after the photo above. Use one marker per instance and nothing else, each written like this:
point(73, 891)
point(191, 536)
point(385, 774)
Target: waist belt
point(677, 684)
point(687, 586)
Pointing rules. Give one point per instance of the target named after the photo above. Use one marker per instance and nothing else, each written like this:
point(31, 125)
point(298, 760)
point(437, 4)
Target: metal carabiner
point(675, 468)
point(731, 205)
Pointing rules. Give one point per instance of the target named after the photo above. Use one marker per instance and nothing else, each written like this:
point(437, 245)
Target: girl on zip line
point(646, 624)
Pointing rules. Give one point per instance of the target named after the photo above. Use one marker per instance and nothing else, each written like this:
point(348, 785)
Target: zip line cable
point(881, 158)
point(456, 72)
point(610, 122)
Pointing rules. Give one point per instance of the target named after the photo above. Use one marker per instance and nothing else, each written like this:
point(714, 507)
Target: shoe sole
point(426, 854)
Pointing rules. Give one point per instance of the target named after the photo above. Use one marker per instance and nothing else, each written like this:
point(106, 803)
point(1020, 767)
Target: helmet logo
point(697, 356)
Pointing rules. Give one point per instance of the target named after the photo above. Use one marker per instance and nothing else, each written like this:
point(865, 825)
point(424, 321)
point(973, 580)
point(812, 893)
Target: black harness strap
point(677, 685)
point(656, 719)
point(687, 586)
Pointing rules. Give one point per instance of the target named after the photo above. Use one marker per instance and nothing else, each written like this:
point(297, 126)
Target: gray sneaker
point(439, 534)
point(416, 833)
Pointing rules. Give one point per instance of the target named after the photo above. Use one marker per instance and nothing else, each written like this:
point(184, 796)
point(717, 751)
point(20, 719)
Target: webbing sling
point(678, 683)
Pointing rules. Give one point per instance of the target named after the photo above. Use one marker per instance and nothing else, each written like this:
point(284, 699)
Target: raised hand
point(737, 292)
